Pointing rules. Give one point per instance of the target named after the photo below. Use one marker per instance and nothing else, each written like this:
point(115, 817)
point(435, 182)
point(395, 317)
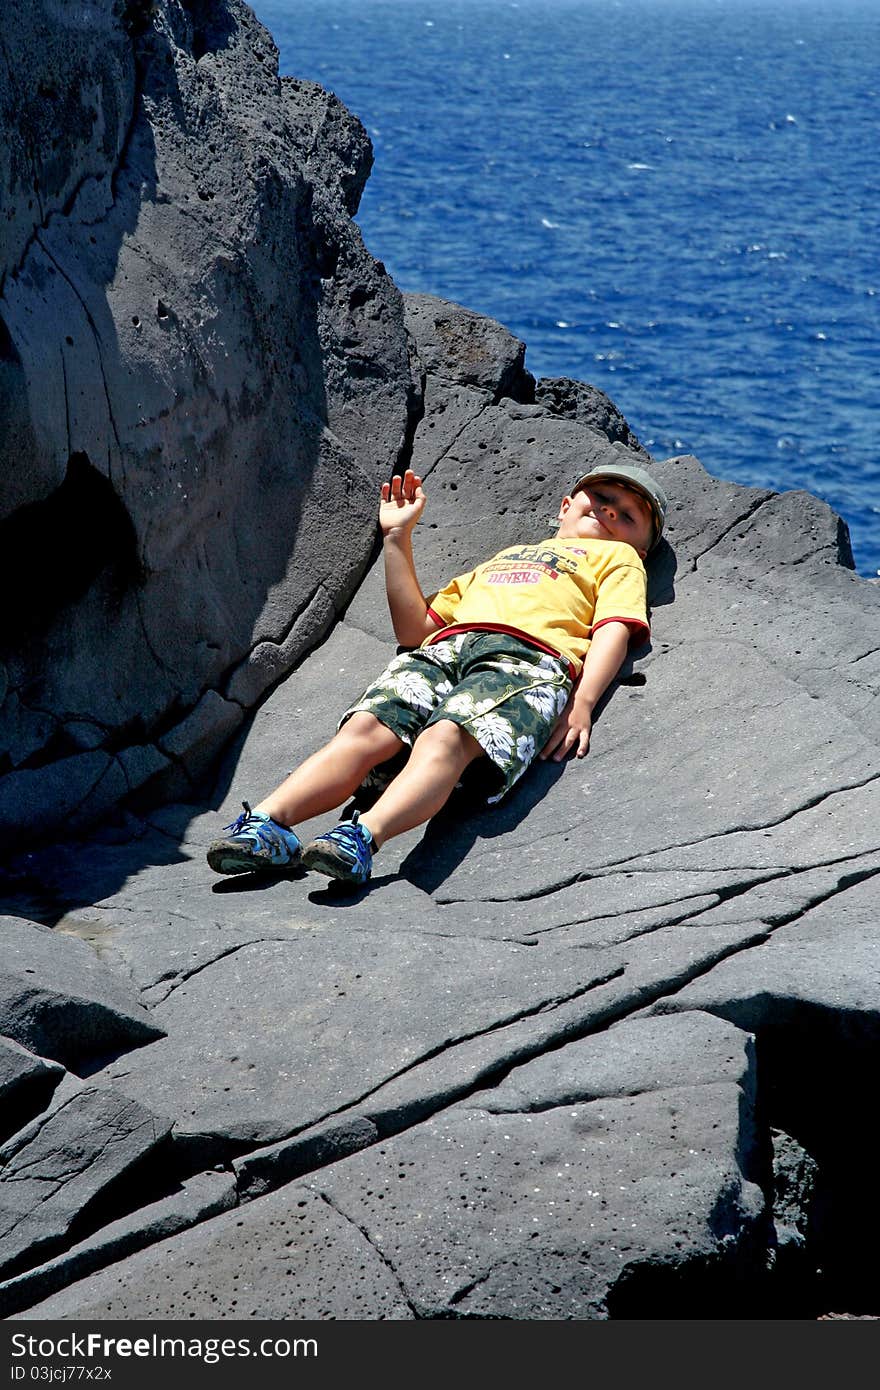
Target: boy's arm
point(401, 505)
point(604, 659)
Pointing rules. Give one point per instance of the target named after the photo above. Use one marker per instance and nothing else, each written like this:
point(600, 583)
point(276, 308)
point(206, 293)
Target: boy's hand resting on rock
point(608, 647)
point(402, 503)
point(571, 731)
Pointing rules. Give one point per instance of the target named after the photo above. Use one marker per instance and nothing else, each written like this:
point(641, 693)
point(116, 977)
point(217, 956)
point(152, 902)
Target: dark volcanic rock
point(455, 345)
point(576, 400)
point(715, 855)
point(56, 1168)
point(207, 378)
point(288, 1257)
point(600, 1051)
point(67, 92)
point(57, 999)
point(270, 998)
point(198, 1199)
point(26, 1082)
point(551, 1196)
point(700, 863)
point(555, 1191)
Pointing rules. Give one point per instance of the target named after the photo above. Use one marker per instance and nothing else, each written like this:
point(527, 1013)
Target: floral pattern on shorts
point(504, 691)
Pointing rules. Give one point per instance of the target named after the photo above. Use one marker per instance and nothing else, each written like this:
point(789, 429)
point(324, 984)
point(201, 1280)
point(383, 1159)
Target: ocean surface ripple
point(676, 200)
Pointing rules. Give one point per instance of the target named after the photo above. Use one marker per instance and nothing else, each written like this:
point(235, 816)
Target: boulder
point(55, 1170)
point(57, 999)
point(558, 1194)
point(453, 345)
point(196, 1200)
point(207, 378)
point(577, 400)
point(26, 1082)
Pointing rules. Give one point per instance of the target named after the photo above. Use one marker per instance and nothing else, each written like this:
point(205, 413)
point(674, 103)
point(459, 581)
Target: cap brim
point(626, 481)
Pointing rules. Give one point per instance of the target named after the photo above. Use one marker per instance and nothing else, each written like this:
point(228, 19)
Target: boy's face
point(604, 510)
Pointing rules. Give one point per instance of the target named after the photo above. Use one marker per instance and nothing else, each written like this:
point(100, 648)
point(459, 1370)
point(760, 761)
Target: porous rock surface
point(602, 1051)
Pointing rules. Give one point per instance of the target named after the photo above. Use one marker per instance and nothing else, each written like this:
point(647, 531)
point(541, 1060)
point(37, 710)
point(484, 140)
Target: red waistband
point(500, 627)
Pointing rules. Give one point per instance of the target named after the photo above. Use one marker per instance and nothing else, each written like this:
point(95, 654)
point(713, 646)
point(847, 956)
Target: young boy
point(505, 663)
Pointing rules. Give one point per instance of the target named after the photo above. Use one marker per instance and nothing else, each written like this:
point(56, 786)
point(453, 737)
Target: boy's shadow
point(452, 833)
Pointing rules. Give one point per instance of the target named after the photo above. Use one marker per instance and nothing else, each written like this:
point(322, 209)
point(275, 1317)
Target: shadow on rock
point(452, 833)
point(662, 568)
point(256, 882)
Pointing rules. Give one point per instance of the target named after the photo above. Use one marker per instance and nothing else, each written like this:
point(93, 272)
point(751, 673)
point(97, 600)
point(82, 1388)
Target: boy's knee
point(445, 736)
point(366, 730)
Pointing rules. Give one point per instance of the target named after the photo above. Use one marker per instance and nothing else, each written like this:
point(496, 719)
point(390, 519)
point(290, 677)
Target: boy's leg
point(327, 778)
point(439, 756)
point(509, 692)
point(260, 839)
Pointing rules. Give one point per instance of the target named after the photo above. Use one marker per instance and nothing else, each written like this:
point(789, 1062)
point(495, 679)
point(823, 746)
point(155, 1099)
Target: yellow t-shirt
point(556, 593)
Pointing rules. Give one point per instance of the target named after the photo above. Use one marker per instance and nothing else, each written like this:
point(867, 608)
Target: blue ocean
point(676, 200)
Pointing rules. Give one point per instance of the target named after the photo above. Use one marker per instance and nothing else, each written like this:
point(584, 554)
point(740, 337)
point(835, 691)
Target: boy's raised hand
point(402, 503)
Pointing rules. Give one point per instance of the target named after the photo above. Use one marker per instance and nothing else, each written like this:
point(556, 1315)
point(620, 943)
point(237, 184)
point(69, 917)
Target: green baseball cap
point(639, 479)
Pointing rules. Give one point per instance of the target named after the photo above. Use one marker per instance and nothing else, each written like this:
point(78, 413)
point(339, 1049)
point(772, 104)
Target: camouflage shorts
point(503, 691)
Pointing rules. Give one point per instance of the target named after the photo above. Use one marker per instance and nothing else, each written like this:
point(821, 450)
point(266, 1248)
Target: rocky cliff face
point(600, 1052)
point(203, 375)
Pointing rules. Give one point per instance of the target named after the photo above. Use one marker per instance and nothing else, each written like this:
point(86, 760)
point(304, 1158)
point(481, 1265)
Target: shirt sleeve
point(623, 598)
point(442, 605)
